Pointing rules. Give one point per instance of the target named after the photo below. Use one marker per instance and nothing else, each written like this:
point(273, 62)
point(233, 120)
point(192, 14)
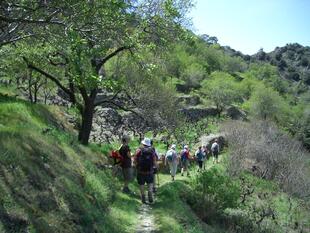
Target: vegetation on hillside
point(49, 182)
point(139, 58)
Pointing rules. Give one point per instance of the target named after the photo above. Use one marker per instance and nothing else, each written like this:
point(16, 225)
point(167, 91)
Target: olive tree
point(89, 35)
point(221, 89)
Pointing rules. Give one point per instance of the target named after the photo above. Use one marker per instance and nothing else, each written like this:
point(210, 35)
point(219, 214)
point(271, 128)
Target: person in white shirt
point(172, 159)
point(215, 149)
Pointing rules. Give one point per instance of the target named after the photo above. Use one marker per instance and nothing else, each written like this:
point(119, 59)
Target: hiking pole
point(157, 179)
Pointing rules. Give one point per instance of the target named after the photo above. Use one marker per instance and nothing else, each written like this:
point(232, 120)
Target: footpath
point(170, 213)
point(146, 222)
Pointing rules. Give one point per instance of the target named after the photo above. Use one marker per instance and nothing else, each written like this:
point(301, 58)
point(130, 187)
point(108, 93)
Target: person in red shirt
point(126, 163)
point(185, 156)
point(145, 161)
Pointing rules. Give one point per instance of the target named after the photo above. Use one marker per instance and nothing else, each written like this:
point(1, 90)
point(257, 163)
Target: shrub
point(214, 191)
point(271, 154)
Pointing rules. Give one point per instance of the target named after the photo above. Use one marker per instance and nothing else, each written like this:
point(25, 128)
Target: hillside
point(292, 61)
point(51, 183)
point(48, 182)
point(77, 78)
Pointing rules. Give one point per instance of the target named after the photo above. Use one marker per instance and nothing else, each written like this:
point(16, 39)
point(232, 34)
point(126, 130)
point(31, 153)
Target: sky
point(249, 25)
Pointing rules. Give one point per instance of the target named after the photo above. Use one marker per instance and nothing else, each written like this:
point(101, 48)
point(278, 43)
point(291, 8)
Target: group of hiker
point(146, 158)
point(173, 159)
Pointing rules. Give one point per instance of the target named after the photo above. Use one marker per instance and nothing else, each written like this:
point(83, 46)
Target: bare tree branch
point(47, 75)
point(15, 39)
point(101, 62)
point(31, 21)
point(127, 109)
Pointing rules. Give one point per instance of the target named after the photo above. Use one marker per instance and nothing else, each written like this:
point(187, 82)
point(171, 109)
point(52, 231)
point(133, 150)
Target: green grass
point(51, 183)
point(175, 215)
point(171, 209)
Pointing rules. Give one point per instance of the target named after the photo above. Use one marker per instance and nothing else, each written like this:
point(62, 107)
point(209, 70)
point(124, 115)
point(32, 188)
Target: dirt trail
point(146, 223)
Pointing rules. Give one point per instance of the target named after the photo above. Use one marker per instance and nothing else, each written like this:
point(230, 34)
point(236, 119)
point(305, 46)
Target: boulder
point(207, 140)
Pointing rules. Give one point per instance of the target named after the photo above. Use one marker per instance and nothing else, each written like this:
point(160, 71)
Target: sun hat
point(146, 142)
point(173, 146)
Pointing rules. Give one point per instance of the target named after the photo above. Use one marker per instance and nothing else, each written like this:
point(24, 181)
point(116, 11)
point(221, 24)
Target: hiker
point(185, 160)
point(199, 156)
point(145, 161)
point(126, 163)
point(172, 160)
point(205, 152)
point(155, 168)
point(215, 149)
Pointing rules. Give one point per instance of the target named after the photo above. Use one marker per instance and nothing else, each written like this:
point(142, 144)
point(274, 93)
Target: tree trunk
point(29, 86)
point(36, 90)
point(219, 111)
point(87, 120)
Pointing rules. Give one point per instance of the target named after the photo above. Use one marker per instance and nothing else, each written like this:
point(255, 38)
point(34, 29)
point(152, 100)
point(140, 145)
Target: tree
point(209, 39)
point(151, 97)
point(18, 19)
point(221, 89)
point(95, 32)
point(193, 75)
point(269, 75)
point(265, 103)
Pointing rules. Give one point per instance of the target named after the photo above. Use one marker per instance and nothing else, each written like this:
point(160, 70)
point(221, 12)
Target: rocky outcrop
point(109, 125)
point(106, 125)
point(192, 100)
point(207, 140)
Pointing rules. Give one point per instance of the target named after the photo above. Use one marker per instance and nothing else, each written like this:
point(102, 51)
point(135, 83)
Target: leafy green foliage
point(58, 179)
point(221, 89)
point(265, 103)
point(217, 187)
point(190, 132)
point(172, 211)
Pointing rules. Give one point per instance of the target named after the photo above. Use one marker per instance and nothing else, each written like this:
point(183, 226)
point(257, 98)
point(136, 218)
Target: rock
point(189, 100)
point(107, 125)
point(235, 113)
point(207, 140)
point(196, 114)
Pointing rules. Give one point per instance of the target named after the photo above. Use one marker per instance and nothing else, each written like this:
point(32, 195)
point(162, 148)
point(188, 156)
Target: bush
point(271, 154)
point(214, 191)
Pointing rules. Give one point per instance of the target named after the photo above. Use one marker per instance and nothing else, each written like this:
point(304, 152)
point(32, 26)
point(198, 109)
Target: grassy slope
point(50, 183)
point(171, 210)
point(174, 214)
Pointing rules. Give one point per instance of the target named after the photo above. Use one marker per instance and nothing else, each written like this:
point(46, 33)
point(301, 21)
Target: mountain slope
point(50, 183)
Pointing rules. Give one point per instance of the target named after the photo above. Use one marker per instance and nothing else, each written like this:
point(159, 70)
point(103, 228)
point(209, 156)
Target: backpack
point(118, 159)
point(184, 155)
point(200, 155)
point(145, 160)
point(169, 155)
point(215, 148)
